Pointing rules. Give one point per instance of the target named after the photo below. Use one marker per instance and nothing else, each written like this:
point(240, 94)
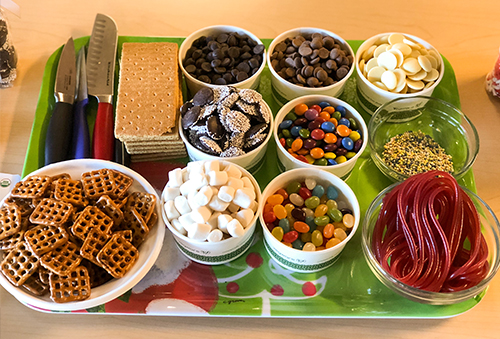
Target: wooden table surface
point(467, 33)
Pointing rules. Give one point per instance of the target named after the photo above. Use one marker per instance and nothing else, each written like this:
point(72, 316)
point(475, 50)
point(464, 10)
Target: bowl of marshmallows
point(210, 208)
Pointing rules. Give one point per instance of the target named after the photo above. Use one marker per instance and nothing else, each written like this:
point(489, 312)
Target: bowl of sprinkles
point(320, 132)
point(407, 141)
point(431, 240)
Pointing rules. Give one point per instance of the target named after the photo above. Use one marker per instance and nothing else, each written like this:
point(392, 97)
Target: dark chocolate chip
point(191, 117)
point(215, 128)
point(203, 97)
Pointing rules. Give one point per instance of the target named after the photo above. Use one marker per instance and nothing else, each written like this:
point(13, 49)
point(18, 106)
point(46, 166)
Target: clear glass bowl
point(490, 228)
point(445, 123)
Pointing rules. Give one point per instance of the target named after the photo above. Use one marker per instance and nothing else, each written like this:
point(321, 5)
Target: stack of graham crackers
point(148, 102)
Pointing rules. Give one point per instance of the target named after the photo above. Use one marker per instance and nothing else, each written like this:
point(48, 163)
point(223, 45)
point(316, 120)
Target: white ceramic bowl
point(284, 90)
point(371, 97)
point(251, 161)
point(148, 251)
point(216, 253)
point(194, 84)
point(305, 261)
point(288, 162)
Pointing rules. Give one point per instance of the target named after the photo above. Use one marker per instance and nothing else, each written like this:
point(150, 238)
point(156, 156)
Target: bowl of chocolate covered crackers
point(77, 234)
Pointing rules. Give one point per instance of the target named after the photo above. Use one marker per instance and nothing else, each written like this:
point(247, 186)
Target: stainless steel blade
point(101, 58)
point(81, 76)
point(65, 87)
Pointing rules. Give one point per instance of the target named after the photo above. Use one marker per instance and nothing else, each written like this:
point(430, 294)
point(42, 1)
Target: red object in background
point(155, 172)
point(493, 79)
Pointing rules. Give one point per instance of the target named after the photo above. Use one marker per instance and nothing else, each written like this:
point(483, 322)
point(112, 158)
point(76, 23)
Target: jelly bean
point(302, 158)
point(285, 124)
point(317, 238)
point(268, 208)
point(278, 233)
point(301, 122)
point(280, 211)
point(340, 234)
point(330, 138)
point(342, 130)
point(332, 193)
point(341, 159)
point(354, 123)
point(285, 225)
point(346, 142)
point(350, 155)
point(325, 115)
point(345, 122)
point(340, 225)
point(311, 114)
point(328, 231)
point(357, 145)
point(286, 133)
point(309, 246)
point(321, 210)
point(283, 142)
point(304, 133)
point(320, 248)
point(291, 116)
point(310, 159)
point(300, 109)
point(310, 183)
point(317, 108)
point(317, 153)
point(310, 222)
point(275, 199)
point(329, 109)
point(346, 210)
point(322, 221)
point(303, 151)
point(309, 144)
point(269, 217)
point(293, 187)
point(321, 162)
point(289, 208)
point(291, 236)
point(298, 244)
point(354, 135)
point(287, 244)
point(332, 204)
point(328, 126)
point(309, 212)
point(335, 215)
point(305, 193)
point(312, 202)
point(283, 193)
point(323, 200)
point(330, 155)
point(296, 200)
point(297, 144)
point(348, 220)
point(332, 242)
point(318, 191)
point(299, 214)
point(301, 227)
point(305, 237)
point(294, 131)
point(341, 109)
point(324, 104)
point(337, 115)
point(289, 142)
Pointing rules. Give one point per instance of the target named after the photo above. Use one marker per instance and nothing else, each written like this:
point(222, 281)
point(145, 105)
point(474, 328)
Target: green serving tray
point(254, 285)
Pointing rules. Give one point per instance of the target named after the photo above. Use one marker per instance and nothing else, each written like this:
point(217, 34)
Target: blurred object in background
point(8, 56)
point(493, 79)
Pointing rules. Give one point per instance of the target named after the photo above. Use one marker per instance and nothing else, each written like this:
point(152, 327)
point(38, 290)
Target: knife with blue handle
point(59, 130)
point(80, 146)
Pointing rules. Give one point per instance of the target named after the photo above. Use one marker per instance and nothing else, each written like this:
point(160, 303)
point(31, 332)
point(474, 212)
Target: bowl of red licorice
point(431, 240)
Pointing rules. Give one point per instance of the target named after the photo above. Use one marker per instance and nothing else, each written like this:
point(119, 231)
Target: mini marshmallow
point(199, 179)
point(169, 193)
point(245, 216)
point(226, 193)
point(204, 195)
point(233, 208)
point(212, 165)
point(186, 221)
point(182, 205)
point(235, 229)
point(201, 214)
point(189, 186)
point(235, 183)
point(244, 197)
point(215, 236)
point(233, 171)
point(196, 167)
point(191, 201)
point(254, 207)
point(217, 205)
point(217, 178)
point(178, 226)
point(199, 232)
point(247, 183)
point(170, 210)
point(175, 177)
point(222, 222)
point(185, 176)
point(213, 220)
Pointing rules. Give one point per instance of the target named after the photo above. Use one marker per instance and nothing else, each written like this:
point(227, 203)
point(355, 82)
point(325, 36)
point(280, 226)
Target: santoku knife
point(100, 79)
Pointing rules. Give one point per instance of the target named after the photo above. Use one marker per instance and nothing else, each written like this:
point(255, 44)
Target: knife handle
point(104, 139)
point(81, 139)
point(58, 137)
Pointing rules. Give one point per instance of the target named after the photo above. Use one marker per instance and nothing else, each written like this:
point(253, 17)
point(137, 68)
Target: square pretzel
point(71, 287)
point(118, 256)
point(62, 260)
point(42, 239)
point(51, 212)
point(94, 242)
point(20, 264)
point(91, 217)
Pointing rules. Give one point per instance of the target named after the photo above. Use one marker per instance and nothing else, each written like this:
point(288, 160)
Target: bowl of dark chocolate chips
point(227, 122)
point(222, 56)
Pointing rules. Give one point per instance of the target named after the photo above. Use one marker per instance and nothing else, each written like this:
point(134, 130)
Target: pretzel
point(44, 238)
point(118, 256)
point(71, 287)
point(98, 183)
point(98, 275)
point(61, 260)
point(123, 183)
point(43, 274)
point(70, 191)
point(25, 205)
point(31, 187)
point(94, 242)
point(136, 224)
point(144, 203)
point(127, 234)
point(51, 212)
point(34, 285)
point(91, 217)
point(10, 220)
point(19, 264)
point(108, 206)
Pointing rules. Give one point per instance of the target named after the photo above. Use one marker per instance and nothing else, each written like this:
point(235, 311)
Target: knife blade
point(100, 79)
point(58, 137)
point(80, 146)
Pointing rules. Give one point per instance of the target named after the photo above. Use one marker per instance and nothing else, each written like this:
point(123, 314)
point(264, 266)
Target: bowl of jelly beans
point(321, 132)
point(308, 216)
